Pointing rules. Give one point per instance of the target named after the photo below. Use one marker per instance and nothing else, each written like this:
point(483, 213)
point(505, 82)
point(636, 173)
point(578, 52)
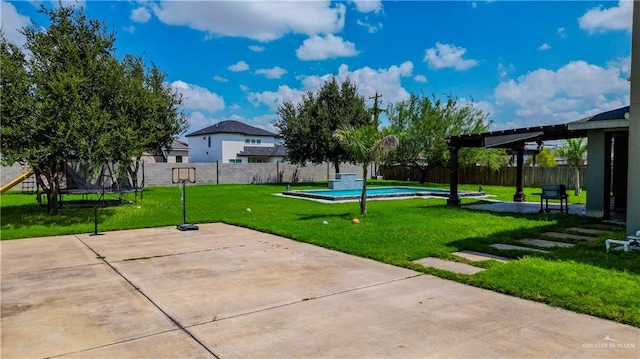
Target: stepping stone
point(569, 236)
point(587, 230)
point(619, 222)
point(510, 247)
point(477, 256)
point(455, 267)
point(546, 244)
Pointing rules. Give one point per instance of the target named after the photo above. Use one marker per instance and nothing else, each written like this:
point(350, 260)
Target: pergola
point(513, 140)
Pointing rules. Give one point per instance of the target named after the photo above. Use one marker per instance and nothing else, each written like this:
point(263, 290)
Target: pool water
point(374, 192)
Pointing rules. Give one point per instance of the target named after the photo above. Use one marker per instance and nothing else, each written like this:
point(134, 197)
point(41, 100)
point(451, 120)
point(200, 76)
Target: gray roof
point(231, 126)
point(179, 145)
point(255, 151)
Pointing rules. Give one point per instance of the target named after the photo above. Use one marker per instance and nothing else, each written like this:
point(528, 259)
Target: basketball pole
point(184, 203)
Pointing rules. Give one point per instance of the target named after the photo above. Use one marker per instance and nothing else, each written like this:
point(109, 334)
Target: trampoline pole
point(95, 222)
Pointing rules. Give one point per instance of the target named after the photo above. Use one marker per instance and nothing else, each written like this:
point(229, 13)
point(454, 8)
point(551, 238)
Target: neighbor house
point(235, 142)
point(178, 153)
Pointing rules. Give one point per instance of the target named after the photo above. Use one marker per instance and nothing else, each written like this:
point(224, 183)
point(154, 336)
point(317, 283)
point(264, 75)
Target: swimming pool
point(376, 192)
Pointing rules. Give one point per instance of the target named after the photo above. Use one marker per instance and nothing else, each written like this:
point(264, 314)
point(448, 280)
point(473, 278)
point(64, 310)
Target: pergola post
point(633, 173)
point(453, 177)
point(519, 196)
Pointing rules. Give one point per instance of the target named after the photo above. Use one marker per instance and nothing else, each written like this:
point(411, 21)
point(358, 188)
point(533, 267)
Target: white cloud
point(256, 48)
point(613, 18)
point(578, 88)
point(273, 99)
point(272, 73)
point(140, 14)
point(561, 32)
point(318, 47)
point(503, 70)
point(235, 107)
point(198, 98)
point(244, 88)
point(622, 63)
point(258, 20)
point(370, 28)
point(474, 4)
point(445, 55)
point(544, 47)
point(368, 5)
point(11, 21)
point(420, 78)
point(238, 66)
point(367, 80)
point(130, 29)
point(220, 78)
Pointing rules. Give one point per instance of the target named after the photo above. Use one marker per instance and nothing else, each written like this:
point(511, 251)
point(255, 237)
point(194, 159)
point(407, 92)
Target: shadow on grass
point(587, 252)
point(29, 215)
point(346, 215)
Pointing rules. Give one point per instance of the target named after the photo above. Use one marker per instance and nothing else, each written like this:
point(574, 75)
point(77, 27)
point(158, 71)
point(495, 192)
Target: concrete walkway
point(230, 292)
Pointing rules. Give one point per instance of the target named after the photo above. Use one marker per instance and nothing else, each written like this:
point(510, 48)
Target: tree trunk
point(423, 175)
point(132, 169)
point(52, 196)
point(363, 196)
point(577, 190)
point(336, 165)
point(50, 170)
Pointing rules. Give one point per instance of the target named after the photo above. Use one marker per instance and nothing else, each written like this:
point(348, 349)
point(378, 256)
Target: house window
point(247, 141)
point(209, 141)
point(255, 160)
point(253, 140)
point(235, 161)
point(258, 141)
point(178, 159)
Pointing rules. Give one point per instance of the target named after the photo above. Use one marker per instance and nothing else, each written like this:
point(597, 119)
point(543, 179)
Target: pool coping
point(389, 196)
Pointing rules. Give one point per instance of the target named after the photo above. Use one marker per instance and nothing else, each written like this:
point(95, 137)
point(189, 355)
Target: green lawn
point(583, 278)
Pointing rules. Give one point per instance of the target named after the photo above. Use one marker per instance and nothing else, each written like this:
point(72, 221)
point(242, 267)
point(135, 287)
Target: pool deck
point(523, 207)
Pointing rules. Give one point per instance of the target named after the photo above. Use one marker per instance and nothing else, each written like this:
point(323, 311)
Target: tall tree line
point(66, 95)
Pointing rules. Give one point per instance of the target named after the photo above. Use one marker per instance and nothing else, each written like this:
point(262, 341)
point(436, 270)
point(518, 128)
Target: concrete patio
point(523, 207)
point(225, 292)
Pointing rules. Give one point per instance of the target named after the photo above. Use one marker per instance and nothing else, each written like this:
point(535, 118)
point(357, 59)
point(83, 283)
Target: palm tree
point(574, 150)
point(366, 144)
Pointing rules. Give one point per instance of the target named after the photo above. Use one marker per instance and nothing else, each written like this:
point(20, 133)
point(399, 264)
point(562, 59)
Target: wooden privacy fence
point(505, 176)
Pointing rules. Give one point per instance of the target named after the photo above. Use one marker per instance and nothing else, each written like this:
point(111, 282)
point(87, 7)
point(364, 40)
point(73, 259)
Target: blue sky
point(526, 63)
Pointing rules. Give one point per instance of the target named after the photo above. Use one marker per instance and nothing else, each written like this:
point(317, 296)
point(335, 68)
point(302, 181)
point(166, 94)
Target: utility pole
point(376, 122)
point(376, 109)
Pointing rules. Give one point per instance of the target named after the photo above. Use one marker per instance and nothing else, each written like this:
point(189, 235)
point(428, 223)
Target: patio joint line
point(177, 254)
point(115, 343)
point(53, 269)
point(150, 300)
point(306, 300)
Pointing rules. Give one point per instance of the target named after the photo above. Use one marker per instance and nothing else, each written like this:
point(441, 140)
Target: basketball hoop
point(184, 175)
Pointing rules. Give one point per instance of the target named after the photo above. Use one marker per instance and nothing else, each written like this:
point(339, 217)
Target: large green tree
point(366, 144)
point(546, 158)
point(308, 126)
point(72, 98)
point(574, 150)
point(424, 122)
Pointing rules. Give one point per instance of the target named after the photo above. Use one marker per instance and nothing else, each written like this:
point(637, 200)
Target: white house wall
point(200, 150)
point(232, 144)
point(225, 147)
